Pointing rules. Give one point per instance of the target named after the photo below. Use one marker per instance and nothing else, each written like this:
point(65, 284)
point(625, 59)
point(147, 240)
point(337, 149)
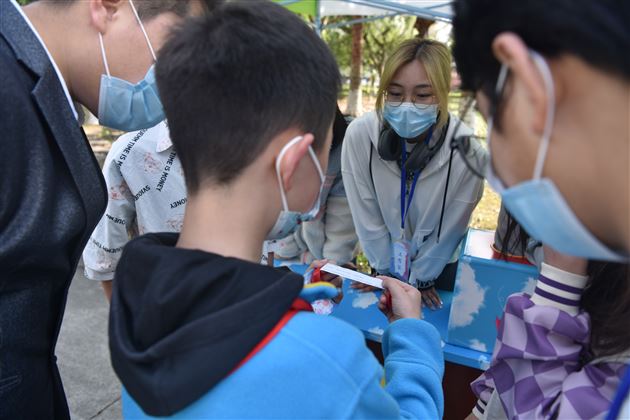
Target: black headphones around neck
point(390, 148)
point(424, 152)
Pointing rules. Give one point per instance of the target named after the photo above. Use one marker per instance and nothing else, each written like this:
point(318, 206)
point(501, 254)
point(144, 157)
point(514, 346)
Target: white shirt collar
point(39, 38)
point(164, 138)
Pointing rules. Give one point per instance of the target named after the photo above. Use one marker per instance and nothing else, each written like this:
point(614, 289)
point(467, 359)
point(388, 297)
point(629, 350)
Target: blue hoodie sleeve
point(414, 366)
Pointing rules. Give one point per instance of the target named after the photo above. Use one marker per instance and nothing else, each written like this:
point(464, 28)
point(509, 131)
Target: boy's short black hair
point(594, 30)
point(148, 9)
point(233, 80)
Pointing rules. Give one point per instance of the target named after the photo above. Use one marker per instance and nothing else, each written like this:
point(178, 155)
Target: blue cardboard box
point(360, 310)
point(482, 286)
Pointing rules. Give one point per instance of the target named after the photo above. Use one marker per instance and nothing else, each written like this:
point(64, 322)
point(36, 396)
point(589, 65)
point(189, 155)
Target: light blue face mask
point(127, 106)
point(537, 204)
point(407, 120)
point(288, 221)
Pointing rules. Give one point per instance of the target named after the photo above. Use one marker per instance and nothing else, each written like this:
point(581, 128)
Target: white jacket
point(375, 203)
point(331, 234)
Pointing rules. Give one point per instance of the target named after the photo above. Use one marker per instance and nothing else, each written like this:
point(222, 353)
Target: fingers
point(382, 299)
point(407, 286)
point(336, 281)
point(394, 286)
point(385, 306)
point(385, 299)
point(427, 301)
point(330, 278)
point(337, 299)
point(405, 299)
point(324, 276)
point(318, 264)
point(436, 299)
point(431, 298)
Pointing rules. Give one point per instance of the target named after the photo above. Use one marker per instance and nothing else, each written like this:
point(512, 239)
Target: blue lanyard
point(623, 392)
point(404, 206)
point(404, 202)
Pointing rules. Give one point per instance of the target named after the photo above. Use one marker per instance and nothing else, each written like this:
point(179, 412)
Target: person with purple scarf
point(552, 79)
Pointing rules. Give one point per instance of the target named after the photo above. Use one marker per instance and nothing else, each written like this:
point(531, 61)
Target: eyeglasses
point(471, 148)
point(420, 101)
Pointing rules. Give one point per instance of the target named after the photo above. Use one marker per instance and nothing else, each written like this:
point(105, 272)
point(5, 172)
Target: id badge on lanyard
point(399, 264)
point(400, 261)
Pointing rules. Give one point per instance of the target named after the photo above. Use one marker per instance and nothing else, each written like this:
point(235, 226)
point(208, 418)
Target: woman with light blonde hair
point(411, 198)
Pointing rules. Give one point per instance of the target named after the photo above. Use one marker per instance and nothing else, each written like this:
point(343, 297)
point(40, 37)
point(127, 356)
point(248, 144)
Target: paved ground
point(91, 386)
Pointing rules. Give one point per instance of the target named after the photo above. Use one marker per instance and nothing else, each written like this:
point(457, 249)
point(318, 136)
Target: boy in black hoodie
point(198, 328)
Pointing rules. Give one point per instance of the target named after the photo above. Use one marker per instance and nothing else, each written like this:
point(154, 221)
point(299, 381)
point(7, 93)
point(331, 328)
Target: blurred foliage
point(340, 42)
point(380, 37)
point(109, 134)
point(486, 213)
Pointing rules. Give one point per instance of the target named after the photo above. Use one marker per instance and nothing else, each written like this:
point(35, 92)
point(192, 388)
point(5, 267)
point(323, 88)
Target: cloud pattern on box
point(478, 345)
point(469, 298)
point(364, 300)
point(376, 330)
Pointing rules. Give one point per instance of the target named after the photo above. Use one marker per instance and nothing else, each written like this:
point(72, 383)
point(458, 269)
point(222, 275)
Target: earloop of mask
point(100, 39)
point(285, 203)
point(284, 150)
point(144, 32)
point(551, 105)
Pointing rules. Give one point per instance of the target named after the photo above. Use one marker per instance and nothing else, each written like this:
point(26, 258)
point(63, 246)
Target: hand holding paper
point(353, 275)
point(318, 274)
point(400, 300)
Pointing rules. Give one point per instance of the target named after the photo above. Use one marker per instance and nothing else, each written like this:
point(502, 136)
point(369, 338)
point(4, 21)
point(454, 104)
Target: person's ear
point(102, 13)
point(292, 158)
point(510, 50)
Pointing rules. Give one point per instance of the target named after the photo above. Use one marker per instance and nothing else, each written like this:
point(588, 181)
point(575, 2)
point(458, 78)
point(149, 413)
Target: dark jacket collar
point(25, 45)
point(51, 100)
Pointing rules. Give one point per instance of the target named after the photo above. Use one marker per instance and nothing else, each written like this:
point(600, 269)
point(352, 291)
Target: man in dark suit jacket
point(51, 191)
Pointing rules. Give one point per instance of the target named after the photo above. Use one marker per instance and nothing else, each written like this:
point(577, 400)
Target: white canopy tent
point(439, 10)
point(430, 9)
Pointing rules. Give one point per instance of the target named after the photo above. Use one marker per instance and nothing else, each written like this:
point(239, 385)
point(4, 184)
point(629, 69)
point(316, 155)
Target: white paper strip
point(352, 275)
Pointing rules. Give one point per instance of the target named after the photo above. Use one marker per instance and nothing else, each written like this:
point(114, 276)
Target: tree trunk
point(355, 100)
point(422, 26)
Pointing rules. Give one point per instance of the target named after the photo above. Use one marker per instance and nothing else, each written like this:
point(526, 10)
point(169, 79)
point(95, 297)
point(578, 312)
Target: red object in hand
point(388, 303)
point(316, 277)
